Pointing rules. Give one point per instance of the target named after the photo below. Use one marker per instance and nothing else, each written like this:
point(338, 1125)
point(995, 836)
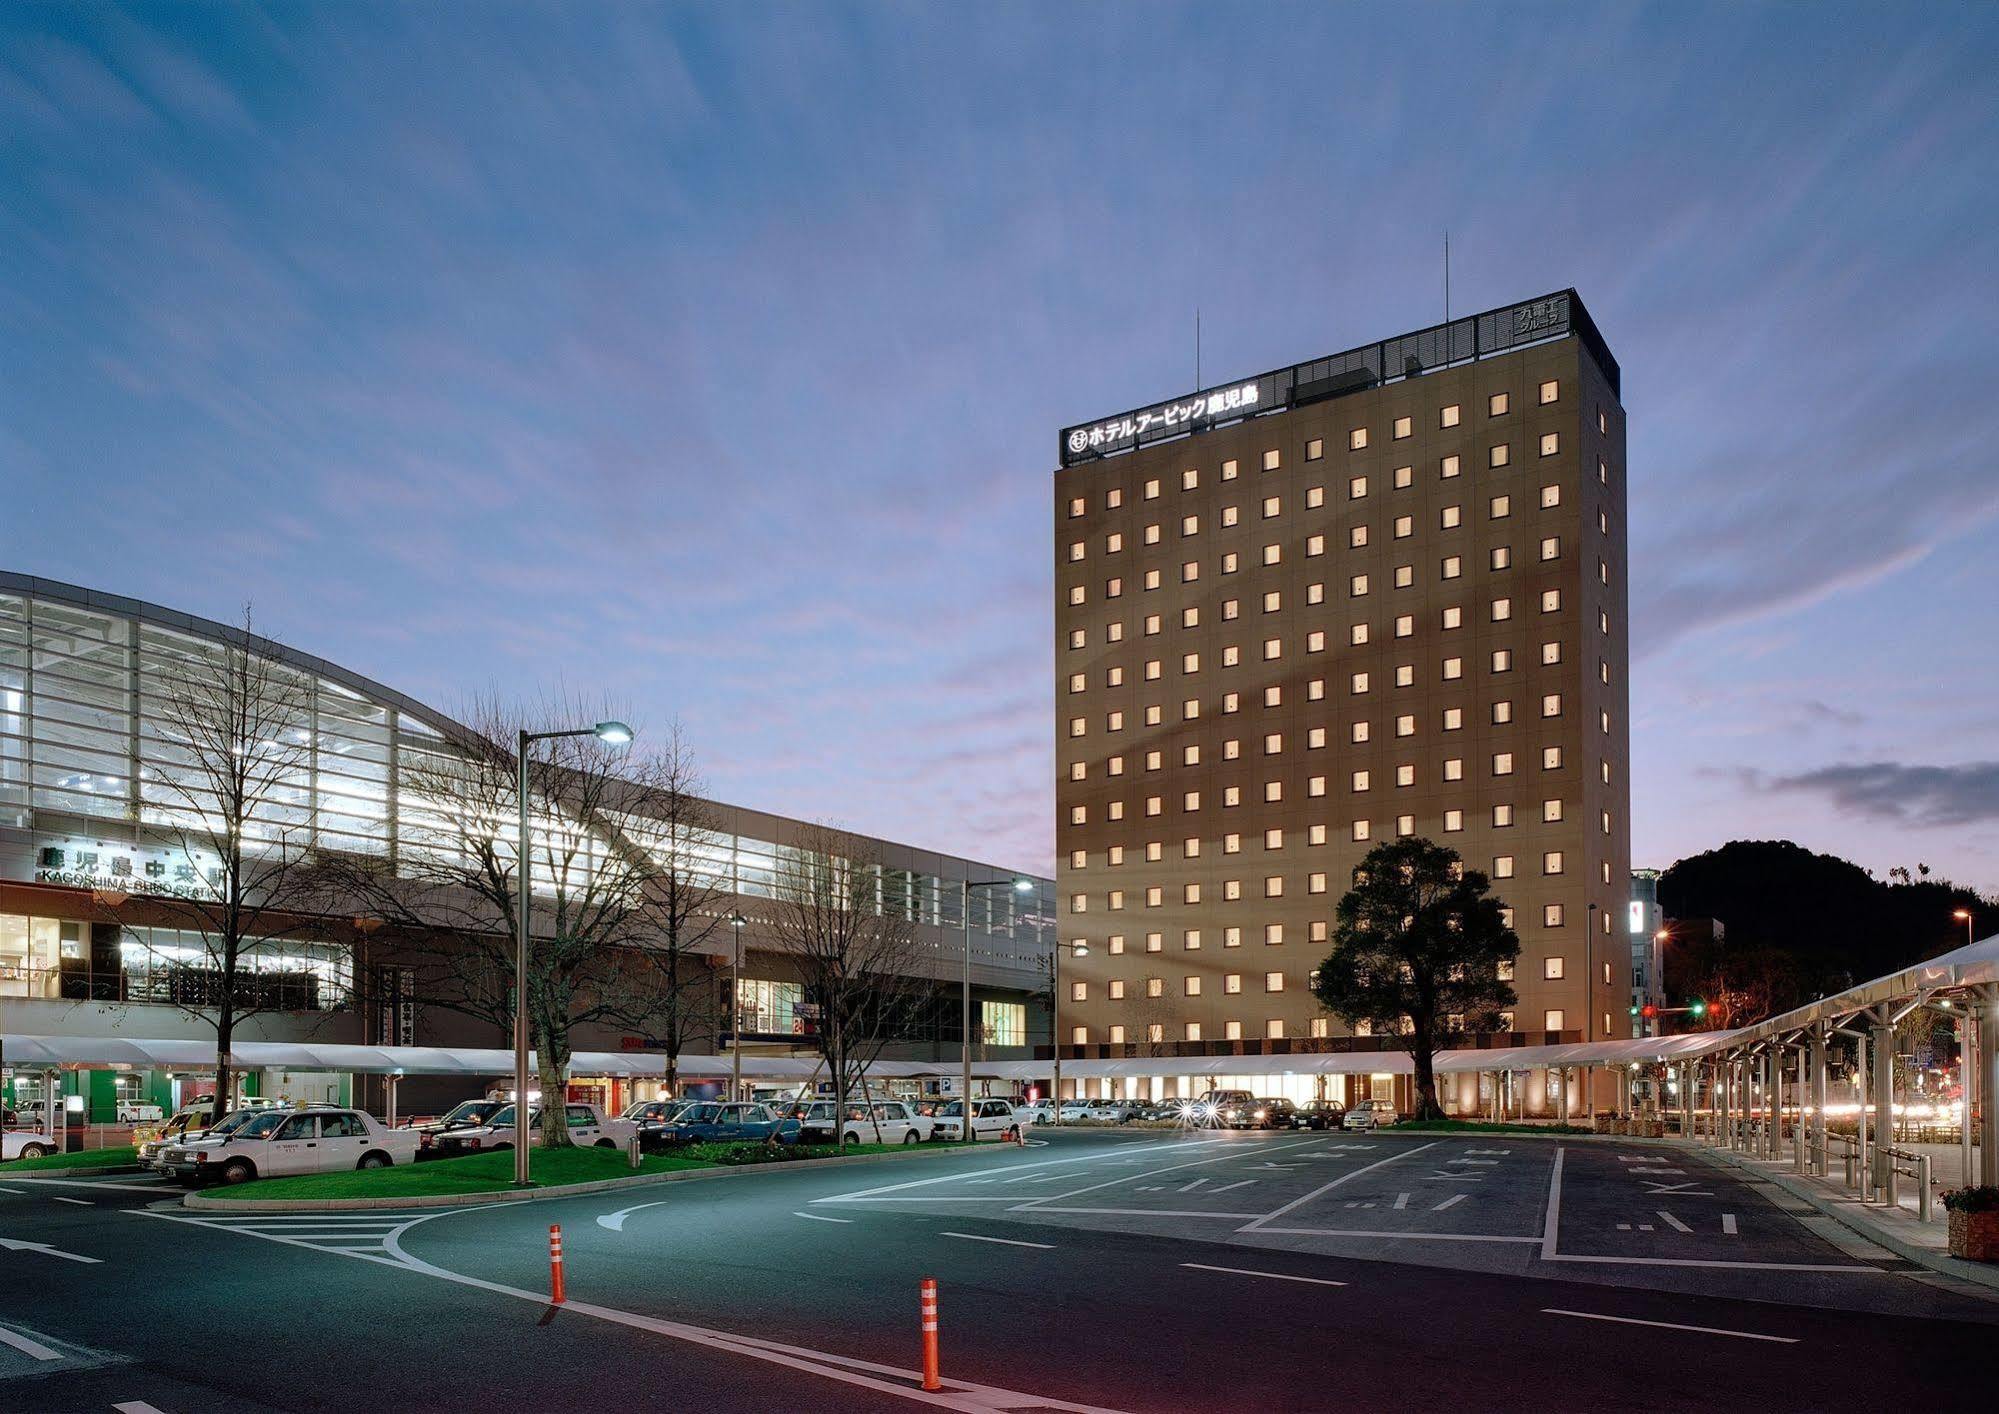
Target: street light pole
point(1965, 914)
point(617, 734)
point(736, 921)
point(965, 888)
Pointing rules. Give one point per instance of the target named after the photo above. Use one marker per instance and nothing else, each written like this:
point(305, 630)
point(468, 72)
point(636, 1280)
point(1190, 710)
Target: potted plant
point(1974, 1222)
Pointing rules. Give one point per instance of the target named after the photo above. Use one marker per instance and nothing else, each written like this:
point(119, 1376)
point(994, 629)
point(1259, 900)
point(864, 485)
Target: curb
point(9, 1171)
point(1977, 1273)
point(216, 1203)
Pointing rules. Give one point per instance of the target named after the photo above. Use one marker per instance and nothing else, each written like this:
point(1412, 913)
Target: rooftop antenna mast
point(1197, 346)
point(1447, 275)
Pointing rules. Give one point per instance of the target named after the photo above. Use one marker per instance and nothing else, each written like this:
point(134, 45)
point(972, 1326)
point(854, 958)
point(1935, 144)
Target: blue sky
point(712, 357)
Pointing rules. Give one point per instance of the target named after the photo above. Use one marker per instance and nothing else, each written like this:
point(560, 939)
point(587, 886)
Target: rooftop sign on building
point(1476, 336)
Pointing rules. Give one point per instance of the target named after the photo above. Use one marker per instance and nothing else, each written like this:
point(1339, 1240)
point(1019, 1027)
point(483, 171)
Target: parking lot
point(1097, 1269)
point(1656, 1216)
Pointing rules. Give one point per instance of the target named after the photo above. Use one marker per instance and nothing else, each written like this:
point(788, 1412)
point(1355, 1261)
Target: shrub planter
point(1974, 1223)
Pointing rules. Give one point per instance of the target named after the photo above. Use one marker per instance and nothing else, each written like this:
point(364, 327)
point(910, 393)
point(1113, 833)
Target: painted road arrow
point(14, 1245)
point(615, 1222)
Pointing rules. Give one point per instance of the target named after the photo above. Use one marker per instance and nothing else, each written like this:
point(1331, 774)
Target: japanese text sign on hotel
point(1162, 418)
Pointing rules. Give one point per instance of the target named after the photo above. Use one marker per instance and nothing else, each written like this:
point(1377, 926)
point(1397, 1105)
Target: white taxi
point(26, 1144)
point(589, 1127)
point(991, 1119)
point(320, 1139)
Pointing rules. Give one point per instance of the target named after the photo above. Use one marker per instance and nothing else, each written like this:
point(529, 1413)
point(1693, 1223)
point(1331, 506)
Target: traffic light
point(1634, 1011)
point(1649, 1011)
point(1696, 1007)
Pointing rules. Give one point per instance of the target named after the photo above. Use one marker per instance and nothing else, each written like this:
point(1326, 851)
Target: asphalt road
point(1107, 1271)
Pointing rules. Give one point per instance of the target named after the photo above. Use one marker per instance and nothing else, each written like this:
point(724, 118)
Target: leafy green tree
point(1418, 950)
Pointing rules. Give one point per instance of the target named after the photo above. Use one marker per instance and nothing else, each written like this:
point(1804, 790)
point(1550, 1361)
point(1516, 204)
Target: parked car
point(1222, 1107)
point(991, 1119)
point(1040, 1112)
point(588, 1126)
point(1275, 1112)
point(26, 1144)
point(886, 1122)
point(1074, 1111)
point(132, 1113)
point(711, 1121)
point(188, 1125)
point(1323, 1114)
point(466, 1114)
point(653, 1111)
point(321, 1139)
point(1369, 1114)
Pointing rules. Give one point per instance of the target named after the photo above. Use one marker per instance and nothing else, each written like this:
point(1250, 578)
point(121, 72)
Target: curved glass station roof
point(84, 676)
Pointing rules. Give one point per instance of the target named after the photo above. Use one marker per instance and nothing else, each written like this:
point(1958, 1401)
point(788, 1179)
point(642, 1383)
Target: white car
point(1040, 1112)
point(26, 1144)
point(277, 1142)
point(991, 1119)
point(140, 1114)
point(885, 1122)
point(1369, 1114)
point(588, 1126)
point(185, 1129)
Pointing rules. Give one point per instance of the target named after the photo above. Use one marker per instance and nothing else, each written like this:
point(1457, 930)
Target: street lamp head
point(1079, 948)
point(614, 733)
point(1023, 886)
point(736, 920)
point(1660, 936)
point(1961, 913)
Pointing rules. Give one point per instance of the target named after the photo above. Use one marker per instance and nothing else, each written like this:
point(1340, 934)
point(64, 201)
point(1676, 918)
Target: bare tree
point(600, 884)
point(851, 933)
point(690, 896)
point(228, 783)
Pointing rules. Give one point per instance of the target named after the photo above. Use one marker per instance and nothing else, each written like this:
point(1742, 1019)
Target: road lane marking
point(1455, 1198)
point(1274, 1276)
point(1154, 1173)
point(137, 1406)
point(615, 1222)
point(1554, 1219)
point(33, 1349)
point(1402, 1201)
point(1728, 1224)
point(1668, 1325)
point(1672, 1221)
point(14, 1244)
point(87, 1183)
point(1258, 1225)
point(1389, 1234)
point(821, 1218)
point(80, 1202)
point(17, 1192)
point(1151, 1212)
point(873, 1195)
point(1240, 1183)
point(1190, 1187)
point(1717, 1263)
point(1002, 1241)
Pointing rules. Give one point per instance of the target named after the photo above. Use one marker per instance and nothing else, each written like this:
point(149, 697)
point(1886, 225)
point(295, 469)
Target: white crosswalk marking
point(365, 1237)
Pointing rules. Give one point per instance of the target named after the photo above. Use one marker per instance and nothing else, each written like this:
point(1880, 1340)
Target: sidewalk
point(1898, 1229)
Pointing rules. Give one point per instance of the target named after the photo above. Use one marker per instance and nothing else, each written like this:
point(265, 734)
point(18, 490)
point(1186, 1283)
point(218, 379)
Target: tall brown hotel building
point(1376, 594)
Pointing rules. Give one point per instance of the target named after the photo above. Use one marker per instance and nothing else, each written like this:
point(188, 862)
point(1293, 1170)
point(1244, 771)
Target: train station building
point(100, 965)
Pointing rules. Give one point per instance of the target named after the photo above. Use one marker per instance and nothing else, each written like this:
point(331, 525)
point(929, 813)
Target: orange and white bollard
point(555, 1263)
point(931, 1381)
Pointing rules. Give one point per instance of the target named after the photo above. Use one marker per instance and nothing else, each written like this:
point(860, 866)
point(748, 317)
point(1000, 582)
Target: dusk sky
point(711, 358)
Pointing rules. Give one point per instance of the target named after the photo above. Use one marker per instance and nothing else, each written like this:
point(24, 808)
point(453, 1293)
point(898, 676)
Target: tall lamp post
point(1965, 914)
point(965, 998)
point(1082, 949)
point(616, 734)
point(736, 921)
